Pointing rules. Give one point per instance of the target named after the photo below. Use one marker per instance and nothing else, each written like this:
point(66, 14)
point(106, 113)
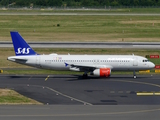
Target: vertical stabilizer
point(20, 45)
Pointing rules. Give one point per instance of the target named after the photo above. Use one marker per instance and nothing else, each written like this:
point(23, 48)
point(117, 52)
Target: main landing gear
point(85, 75)
point(134, 74)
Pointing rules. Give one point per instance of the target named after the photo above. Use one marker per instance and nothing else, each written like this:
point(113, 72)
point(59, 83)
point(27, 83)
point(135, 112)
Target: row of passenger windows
point(87, 61)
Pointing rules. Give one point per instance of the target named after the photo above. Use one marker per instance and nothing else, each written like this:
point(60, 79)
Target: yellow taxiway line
point(148, 93)
point(47, 78)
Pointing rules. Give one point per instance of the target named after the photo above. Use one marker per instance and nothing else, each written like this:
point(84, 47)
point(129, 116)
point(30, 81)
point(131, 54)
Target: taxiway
point(71, 97)
point(70, 89)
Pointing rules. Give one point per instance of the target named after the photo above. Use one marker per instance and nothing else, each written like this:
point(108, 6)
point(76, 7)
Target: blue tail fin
point(20, 45)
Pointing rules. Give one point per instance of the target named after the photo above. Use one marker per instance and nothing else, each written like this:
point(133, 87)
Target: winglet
point(20, 45)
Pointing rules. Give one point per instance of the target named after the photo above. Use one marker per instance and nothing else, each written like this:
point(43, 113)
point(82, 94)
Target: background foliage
point(80, 3)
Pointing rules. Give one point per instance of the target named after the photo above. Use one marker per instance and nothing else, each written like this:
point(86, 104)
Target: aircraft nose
point(152, 65)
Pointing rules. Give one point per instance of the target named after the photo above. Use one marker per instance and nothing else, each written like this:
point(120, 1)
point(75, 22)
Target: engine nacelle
point(102, 72)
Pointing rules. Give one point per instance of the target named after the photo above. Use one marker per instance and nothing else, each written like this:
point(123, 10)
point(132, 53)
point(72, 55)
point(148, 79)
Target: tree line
point(79, 3)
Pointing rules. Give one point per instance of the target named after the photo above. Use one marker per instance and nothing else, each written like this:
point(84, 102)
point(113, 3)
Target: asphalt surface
point(72, 97)
point(74, 90)
point(148, 45)
point(76, 112)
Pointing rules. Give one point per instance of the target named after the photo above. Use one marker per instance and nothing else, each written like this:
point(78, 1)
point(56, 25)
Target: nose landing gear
point(134, 74)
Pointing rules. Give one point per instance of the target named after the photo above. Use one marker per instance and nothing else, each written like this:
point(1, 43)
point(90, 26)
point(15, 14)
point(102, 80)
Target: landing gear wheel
point(85, 76)
point(134, 74)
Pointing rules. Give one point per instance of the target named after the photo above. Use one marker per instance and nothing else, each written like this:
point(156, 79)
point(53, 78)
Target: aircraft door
point(135, 61)
point(37, 60)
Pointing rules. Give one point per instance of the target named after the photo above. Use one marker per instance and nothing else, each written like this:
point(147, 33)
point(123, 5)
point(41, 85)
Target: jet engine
point(102, 72)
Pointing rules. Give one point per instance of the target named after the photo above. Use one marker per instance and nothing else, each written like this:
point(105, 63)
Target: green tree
point(82, 2)
point(105, 2)
point(70, 2)
point(114, 3)
point(86, 3)
point(150, 2)
point(158, 2)
point(125, 2)
point(54, 2)
point(5, 2)
point(135, 2)
point(22, 3)
point(95, 3)
point(41, 2)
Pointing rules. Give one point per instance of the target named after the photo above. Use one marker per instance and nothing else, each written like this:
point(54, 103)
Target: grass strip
point(30, 71)
point(82, 28)
point(8, 96)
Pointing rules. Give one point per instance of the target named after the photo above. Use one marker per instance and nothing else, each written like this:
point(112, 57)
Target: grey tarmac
point(76, 112)
point(140, 45)
point(69, 97)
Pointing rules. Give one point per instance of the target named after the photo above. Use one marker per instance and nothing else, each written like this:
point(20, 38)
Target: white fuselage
point(97, 65)
point(57, 62)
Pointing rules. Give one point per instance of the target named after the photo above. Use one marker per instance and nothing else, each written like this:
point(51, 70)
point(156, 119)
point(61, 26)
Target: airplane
point(96, 65)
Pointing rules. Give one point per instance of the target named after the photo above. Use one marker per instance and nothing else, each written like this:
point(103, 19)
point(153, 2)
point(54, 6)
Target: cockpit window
point(145, 60)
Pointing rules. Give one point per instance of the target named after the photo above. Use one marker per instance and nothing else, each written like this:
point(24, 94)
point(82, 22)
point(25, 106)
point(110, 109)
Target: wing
point(89, 68)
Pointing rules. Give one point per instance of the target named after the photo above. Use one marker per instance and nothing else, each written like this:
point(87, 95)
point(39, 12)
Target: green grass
point(53, 72)
point(82, 28)
point(39, 71)
point(11, 97)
